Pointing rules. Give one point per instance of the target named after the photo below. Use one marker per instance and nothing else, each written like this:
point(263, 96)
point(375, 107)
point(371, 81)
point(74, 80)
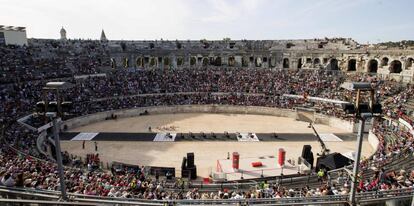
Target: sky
point(366, 21)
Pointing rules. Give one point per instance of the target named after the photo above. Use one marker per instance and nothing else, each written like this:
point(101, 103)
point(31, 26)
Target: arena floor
point(170, 154)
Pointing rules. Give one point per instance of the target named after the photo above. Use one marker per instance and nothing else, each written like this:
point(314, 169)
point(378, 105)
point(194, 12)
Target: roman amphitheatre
point(292, 134)
point(206, 122)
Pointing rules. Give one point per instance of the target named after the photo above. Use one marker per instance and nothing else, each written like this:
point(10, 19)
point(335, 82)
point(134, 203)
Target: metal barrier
point(51, 197)
point(42, 197)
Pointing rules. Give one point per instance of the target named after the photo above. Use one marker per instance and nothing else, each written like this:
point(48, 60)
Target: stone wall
point(346, 125)
point(396, 64)
point(91, 118)
point(373, 140)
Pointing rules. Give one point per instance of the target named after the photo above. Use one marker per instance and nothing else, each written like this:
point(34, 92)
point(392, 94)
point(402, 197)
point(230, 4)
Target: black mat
point(298, 136)
point(205, 137)
point(117, 136)
point(113, 136)
point(121, 136)
point(67, 135)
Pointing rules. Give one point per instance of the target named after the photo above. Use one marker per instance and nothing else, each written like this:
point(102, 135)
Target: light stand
point(361, 112)
point(56, 116)
point(56, 126)
point(355, 170)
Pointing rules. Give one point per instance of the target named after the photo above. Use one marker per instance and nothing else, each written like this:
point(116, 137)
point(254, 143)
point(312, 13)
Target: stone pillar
point(238, 61)
point(173, 61)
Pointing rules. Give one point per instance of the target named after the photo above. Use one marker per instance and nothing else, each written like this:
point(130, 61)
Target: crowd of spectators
point(25, 70)
point(46, 59)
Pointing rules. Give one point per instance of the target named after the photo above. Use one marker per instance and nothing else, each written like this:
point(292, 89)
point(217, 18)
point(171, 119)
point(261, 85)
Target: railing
point(248, 184)
point(43, 197)
point(46, 197)
point(338, 199)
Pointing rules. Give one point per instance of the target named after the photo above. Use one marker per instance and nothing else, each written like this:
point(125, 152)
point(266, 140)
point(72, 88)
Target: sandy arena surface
point(203, 122)
point(170, 154)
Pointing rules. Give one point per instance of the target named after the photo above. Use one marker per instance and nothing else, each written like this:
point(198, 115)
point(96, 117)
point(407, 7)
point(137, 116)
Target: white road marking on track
point(84, 136)
point(162, 137)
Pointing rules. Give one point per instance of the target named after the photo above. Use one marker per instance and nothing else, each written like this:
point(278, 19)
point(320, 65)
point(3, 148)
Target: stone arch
point(113, 63)
point(409, 63)
point(333, 64)
point(152, 62)
point(316, 61)
point(373, 66)
point(352, 65)
point(251, 59)
point(384, 61)
point(217, 61)
point(159, 62)
point(245, 62)
point(308, 60)
point(139, 62)
point(258, 62)
point(167, 61)
point(299, 63)
point(396, 66)
point(286, 63)
point(206, 61)
point(193, 61)
point(180, 61)
point(231, 61)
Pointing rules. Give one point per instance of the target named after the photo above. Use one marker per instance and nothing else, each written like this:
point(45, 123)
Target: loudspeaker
point(192, 172)
point(185, 173)
point(363, 108)
point(40, 107)
point(310, 160)
point(376, 108)
point(184, 164)
point(66, 106)
point(307, 154)
point(306, 151)
point(348, 108)
point(190, 160)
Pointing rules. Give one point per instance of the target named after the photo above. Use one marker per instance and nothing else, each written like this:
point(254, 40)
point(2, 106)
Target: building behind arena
point(11, 35)
point(386, 60)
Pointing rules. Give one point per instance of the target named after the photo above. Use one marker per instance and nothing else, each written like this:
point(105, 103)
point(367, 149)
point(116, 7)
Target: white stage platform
point(270, 168)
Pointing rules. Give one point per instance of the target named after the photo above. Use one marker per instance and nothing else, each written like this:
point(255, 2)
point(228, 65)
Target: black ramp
point(205, 137)
point(66, 136)
point(119, 136)
point(275, 137)
point(286, 136)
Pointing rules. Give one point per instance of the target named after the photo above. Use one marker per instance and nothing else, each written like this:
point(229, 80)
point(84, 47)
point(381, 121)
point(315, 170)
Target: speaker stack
point(188, 169)
point(184, 171)
point(307, 154)
point(190, 159)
